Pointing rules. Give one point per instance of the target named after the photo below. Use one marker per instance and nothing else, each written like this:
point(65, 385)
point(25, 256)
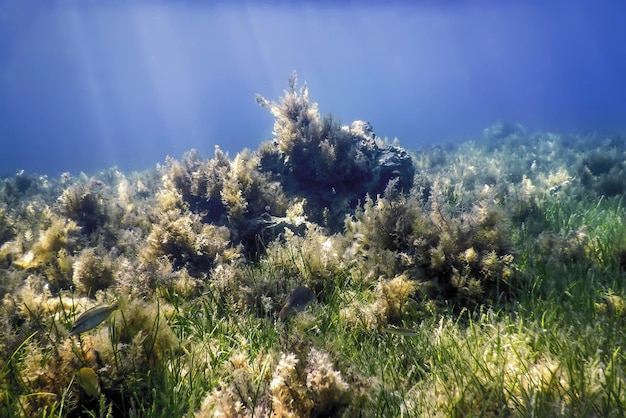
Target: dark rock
point(337, 170)
point(386, 162)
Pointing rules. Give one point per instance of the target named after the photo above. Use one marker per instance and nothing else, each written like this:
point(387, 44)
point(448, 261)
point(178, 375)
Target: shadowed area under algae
point(479, 279)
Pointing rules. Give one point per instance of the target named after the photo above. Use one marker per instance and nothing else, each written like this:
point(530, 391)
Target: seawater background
point(88, 85)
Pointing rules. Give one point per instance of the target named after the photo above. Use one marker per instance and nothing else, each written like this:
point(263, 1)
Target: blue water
point(88, 85)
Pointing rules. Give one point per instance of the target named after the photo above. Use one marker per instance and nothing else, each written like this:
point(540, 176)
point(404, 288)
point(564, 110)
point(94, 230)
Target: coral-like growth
point(224, 192)
point(301, 384)
point(393, 297)
point(140, 338)
point(85, 205)
point(328, 388)
point(434, 242)
point(199, 182)
point(242, 391)
point(51, 253)
point(49, 375)
point(21, 188)
point(248, 192)
point(288, 390)
point(389, 302)
point(93, 270)
point(314, 388)
point(187, 242)
point(146, 321)
point(297, 119)
point(603, 171)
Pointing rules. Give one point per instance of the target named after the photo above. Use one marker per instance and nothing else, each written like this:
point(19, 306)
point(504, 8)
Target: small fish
point(92, 318)
point(400, 331)
point(297, 301)
point(88, 380)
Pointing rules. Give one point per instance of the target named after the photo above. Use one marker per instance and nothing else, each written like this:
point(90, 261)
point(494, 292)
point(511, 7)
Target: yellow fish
point(88, 380)
point(92, 318)
point(297, 301)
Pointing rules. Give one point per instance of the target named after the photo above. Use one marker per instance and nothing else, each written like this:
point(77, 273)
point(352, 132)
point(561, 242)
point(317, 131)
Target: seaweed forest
point(484, 278)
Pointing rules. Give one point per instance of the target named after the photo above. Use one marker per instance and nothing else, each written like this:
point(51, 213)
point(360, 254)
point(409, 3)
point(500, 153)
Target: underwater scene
point(320, 269)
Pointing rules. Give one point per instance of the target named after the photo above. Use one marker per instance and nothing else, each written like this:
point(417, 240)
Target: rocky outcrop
point(332, 167)
point(387, 161)
point(337, 169)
